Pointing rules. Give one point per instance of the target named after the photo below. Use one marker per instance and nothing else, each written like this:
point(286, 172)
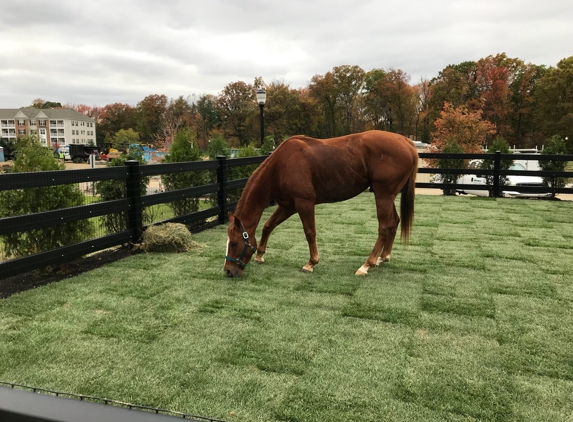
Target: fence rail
point(497, 173)
point(134, 203)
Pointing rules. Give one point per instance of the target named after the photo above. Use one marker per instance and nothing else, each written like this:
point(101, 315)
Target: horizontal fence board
point(179, 194)
point(11, 181)
point(64, 215)
point(193, 217)
point(237, 184)
point(235, 162)
point(170, 168)
point(61, 255)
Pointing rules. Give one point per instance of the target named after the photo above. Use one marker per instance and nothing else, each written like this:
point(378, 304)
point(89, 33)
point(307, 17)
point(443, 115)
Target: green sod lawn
point(472, 321)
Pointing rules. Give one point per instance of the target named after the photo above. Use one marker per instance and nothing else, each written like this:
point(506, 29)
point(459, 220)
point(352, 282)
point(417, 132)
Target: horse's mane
point(255, 177)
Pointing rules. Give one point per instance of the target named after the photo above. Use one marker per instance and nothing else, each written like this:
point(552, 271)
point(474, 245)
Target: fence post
point(133, 191)
point(496, 175)
point(222, 193)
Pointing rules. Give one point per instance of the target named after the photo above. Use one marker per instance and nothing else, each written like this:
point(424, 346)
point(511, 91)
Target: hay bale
point(169, 237)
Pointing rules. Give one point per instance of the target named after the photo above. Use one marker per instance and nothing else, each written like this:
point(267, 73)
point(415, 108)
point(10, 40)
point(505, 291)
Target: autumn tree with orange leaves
point(464, 127)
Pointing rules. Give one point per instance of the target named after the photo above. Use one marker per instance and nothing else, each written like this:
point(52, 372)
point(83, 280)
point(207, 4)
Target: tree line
point(523, 103)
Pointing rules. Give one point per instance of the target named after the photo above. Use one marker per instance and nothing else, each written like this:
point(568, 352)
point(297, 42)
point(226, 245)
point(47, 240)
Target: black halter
point(247, 244)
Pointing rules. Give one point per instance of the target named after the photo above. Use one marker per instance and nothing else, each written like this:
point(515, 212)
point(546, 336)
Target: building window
point(21, 131)
point(21, 123)
point(42, 131)
point(32, 123)
point(42, 123)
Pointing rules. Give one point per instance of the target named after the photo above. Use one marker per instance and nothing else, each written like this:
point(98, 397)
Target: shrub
point(501, 145)
point(555, 145)
point(184, 148)
point(451, 147)
point(111, 189)
point(31, 157)
point(268, 145)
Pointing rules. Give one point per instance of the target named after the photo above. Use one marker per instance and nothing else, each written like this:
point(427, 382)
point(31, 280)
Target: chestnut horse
point(303, 172)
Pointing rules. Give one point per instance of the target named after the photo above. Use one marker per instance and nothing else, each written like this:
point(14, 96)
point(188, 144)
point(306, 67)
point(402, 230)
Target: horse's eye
point(234, 243)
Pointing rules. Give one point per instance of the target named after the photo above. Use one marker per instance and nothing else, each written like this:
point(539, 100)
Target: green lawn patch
point(472, 321)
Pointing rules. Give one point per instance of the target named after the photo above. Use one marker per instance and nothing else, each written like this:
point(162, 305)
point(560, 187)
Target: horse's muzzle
point(233, 272)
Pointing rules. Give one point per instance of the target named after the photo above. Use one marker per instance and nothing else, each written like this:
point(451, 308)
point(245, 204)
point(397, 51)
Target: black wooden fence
point(496, 188)
point(134, 203)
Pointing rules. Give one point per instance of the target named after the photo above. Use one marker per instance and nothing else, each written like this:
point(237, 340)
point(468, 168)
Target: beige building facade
point(54, 127)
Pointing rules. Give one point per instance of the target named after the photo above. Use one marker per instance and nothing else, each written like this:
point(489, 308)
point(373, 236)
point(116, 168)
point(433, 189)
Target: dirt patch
point(33, 279)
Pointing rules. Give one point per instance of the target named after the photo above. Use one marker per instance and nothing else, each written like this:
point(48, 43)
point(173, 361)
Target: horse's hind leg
point(387, 225)
point(278, 216)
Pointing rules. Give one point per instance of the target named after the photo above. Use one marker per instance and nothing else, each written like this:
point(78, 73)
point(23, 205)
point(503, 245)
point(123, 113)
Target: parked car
point(510, 189)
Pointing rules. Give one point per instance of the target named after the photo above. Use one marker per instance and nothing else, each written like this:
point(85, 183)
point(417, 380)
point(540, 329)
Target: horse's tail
point(407, 203)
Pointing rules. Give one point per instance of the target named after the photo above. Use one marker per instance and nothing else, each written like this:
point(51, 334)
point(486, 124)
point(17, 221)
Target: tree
point(401, 101)
point(237, 107)
point(205, 118)
point(217, 146)
point(177, 115)
point(150, 112)
point(468, 129)
point(32, 156)
point(124, 138)
point(282, 110)
point(113, 118)
point(455, 84)
point(555, 146)
point(523, 87)
point(323, 91)
point(184, 148)
point(554, 95)
point(348, 83)
point(423, 96)
point(375, 105)
point(495, 77)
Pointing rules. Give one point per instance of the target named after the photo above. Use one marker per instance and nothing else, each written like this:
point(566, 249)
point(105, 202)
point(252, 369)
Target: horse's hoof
point(382, 260)
point(307, 269)
point(259, 260)
point(361, 271)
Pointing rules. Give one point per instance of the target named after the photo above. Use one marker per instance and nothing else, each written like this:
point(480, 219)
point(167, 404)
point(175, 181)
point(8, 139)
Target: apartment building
point(54, 127)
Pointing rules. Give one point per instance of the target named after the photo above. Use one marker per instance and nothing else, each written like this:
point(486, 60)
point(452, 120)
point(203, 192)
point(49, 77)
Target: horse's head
point(240, 248)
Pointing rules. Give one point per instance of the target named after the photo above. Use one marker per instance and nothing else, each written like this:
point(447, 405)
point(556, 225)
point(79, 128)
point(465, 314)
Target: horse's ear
point(234, 220)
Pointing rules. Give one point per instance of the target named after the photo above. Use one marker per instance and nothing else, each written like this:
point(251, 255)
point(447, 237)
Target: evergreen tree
point(31, 156)
point(184, 148)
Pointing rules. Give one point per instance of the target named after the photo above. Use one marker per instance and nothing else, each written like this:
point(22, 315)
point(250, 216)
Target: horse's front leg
point(277, 217)
point(305, 210)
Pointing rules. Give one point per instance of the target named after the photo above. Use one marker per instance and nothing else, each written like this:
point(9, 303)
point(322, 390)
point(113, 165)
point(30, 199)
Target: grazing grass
point(473, 321)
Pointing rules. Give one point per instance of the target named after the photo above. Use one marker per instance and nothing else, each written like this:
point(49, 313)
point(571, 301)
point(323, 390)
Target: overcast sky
point(100, 52)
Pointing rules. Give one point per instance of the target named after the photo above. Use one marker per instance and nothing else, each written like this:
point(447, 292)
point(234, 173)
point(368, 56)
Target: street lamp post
point(261, 99)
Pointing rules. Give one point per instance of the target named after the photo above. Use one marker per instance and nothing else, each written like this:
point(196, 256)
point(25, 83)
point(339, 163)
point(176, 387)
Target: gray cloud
point(120, 51)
